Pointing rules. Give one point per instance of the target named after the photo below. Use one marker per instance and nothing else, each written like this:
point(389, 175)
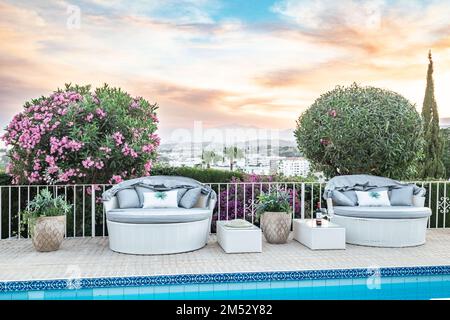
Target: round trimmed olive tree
point(355, 130)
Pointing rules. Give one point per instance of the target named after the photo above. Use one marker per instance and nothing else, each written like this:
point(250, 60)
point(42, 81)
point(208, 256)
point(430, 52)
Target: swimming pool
point(379, 284)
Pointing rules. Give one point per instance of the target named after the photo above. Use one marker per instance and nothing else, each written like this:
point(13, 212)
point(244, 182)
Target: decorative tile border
point(184, 279)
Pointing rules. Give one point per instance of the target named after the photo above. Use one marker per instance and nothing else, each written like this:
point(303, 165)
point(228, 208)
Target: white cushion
point(160, 199)
point(373, 198)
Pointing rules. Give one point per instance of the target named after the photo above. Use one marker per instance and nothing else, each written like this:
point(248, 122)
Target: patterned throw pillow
point(373, 198)
point(160, 199)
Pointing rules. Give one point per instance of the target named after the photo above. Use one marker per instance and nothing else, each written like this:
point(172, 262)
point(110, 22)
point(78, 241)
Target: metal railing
point(235, 200)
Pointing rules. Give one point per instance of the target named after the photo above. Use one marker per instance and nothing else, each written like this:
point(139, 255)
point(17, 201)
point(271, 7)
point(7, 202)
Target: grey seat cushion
point(160, 215)
point(397, 212)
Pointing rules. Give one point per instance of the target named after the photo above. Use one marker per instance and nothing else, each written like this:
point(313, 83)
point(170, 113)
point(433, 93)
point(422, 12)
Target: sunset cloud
point(213, 61)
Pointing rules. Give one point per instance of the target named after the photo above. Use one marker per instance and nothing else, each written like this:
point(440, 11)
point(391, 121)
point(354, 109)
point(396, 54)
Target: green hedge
point(202, 175)
point(5, 179)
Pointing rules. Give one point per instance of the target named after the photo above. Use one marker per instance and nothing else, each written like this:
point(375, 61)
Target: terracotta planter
point(276, 226)
point(48, 233)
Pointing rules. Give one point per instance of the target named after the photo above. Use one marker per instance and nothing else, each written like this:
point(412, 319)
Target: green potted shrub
point(46, 218)
point(274, 212)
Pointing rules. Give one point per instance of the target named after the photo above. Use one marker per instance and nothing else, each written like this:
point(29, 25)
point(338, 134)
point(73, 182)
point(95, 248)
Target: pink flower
point(324, 142)
point(148, 148)
point(155, 138)
point(105, 149)
point(65, 176)
point(115, 179)
point(88, 163)
point(37, 165)
point(52, 169)
point(58, 146)
point(128, 151)
point(332, 113)
point(50, 160)
point(148, 167)
point(135, 104)
point(99, 165)
point(89, 189)
point(34, 177)
point(154, 117)
point(118, 138)
point(100, 113)
point(89, 117)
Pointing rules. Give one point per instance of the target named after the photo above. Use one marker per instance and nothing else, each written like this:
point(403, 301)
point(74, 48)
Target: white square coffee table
point(238, 240)
point(327, 236)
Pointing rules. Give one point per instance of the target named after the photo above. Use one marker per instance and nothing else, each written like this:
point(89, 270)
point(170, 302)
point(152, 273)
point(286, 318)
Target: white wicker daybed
point(401, 224)
point(135, 230)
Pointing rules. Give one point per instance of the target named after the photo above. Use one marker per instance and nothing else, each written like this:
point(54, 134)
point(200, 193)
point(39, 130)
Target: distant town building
point(3, 159)
point(290, 167)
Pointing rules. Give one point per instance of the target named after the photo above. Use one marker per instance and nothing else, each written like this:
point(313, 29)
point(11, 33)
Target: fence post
point(302, 202)
point(93, 211)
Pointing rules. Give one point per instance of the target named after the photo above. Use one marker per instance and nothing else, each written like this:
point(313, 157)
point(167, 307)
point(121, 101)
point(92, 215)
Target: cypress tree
point(433, 166)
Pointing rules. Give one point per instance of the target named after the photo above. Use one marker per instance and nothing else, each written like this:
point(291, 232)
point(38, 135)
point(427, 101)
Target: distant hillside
point(444, 122)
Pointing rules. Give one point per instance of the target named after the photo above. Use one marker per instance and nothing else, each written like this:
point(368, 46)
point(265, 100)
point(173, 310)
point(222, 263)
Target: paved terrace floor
point(91, 257)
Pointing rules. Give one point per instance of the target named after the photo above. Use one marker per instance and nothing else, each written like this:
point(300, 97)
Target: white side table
point(327, 236)
point(238, 240)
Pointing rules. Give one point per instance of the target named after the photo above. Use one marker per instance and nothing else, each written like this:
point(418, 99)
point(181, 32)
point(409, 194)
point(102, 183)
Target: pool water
point(418, 287)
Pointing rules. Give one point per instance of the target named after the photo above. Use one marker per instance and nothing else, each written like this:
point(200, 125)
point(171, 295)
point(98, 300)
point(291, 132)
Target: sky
point(223, 62)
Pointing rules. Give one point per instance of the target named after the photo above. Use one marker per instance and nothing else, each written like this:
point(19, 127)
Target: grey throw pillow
point(181, 193)
point(190, 198)
point(128, 198)
point(340, 199)
point(402, 196)
point(351, 194)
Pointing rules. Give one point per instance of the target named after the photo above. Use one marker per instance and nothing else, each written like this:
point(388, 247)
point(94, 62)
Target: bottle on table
point(318, 215)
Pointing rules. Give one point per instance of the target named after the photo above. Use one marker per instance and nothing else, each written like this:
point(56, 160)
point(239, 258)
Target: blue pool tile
point(36, 295)
point(116, 293)
point(176, 288)
point(20, 295)
point(85, 294)
point(100, 294)
point(146, 290)
point(205, 287)
point(191, 288)
point(6, 296)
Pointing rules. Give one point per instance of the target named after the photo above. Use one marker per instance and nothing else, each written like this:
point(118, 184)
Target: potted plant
point(45, 216)
point(273, 210)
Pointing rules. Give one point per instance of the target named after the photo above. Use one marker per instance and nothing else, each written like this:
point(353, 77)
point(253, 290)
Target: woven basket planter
point(276, 226)
point(48, 233)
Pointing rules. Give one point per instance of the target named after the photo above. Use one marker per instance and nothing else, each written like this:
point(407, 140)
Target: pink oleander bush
point(77, 135)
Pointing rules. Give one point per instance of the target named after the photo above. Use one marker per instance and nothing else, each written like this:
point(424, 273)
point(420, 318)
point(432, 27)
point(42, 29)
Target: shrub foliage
point(77, 135)
point(352, 130)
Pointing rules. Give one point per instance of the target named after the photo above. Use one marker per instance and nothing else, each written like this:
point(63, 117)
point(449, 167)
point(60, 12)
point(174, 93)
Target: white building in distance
point(291, 167)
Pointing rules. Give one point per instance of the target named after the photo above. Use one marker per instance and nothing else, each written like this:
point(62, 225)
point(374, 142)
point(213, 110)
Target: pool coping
point(211, 278)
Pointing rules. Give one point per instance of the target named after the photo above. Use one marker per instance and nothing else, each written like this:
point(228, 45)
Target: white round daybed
point(159, 230)
point(407, 229)
point(389, 226)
